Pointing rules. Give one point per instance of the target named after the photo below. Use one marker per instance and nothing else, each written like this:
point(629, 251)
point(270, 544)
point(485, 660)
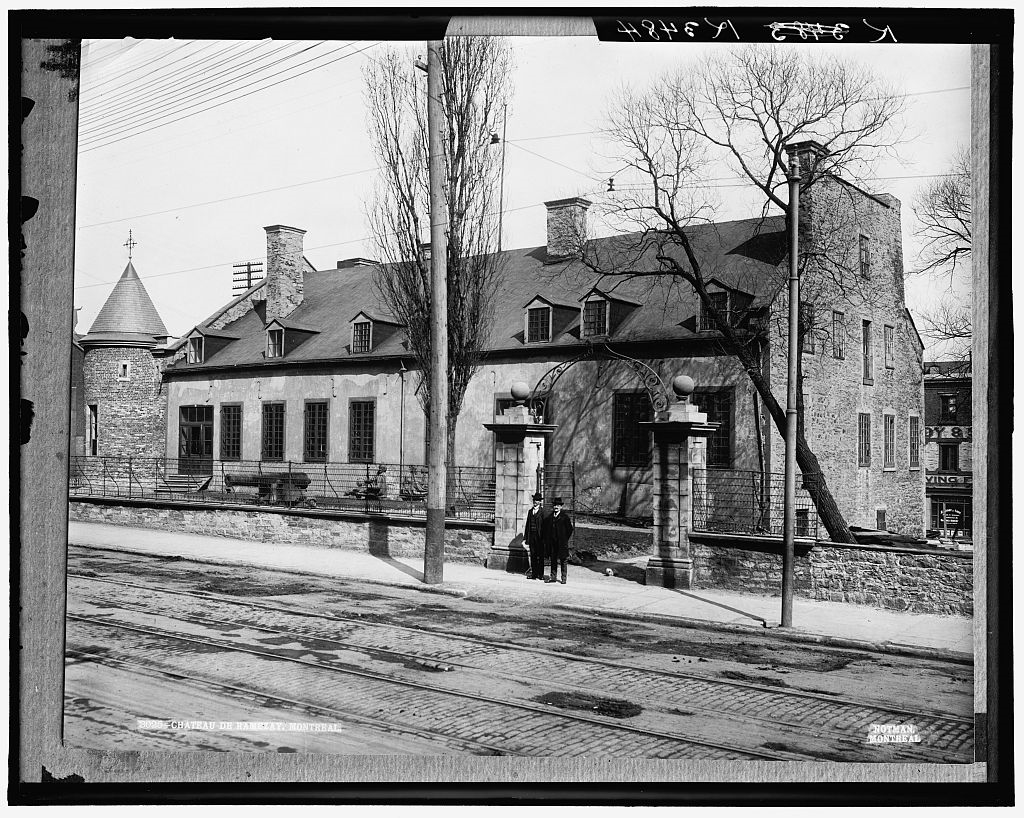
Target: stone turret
point(125, 407)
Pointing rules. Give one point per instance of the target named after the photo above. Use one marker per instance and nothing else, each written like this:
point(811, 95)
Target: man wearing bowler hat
point(533, 537)
point(558, 529)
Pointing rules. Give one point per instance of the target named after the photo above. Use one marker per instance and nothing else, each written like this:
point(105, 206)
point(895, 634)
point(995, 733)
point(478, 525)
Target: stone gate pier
point(680, 435)
point(519, 448)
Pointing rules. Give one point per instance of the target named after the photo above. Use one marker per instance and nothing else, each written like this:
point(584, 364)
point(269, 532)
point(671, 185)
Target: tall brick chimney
point(567, 226)
point(284, 270)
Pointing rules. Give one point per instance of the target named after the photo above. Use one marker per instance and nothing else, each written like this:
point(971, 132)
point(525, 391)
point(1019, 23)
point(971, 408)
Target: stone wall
point(131, 411)
point(915, 580)
point(833, 216)
point(380, 536)
point(285, 269)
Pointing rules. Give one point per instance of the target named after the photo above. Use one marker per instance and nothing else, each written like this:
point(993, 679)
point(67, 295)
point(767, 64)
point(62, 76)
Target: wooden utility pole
point(789, 510)
point(437, 472)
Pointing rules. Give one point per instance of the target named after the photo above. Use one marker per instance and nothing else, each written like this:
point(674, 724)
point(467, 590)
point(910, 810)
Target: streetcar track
point(524, 677)
point(422, 686)
point(306, 707)
point(704, 678)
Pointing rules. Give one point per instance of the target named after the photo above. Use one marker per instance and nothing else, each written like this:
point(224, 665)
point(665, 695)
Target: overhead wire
point(234, 99)
point(157, 89)
point(102, 130)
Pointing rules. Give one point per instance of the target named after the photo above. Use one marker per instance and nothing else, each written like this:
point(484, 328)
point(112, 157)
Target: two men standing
point(547, 537)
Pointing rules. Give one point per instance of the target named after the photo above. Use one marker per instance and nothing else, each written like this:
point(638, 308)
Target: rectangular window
point(361, 431)
point(865, 256)
point(631, 443)
point(595, 318)
point(869, 370)
point(863, 439)
point(949, 457)
point(889, 450)
point(231, 432)
point(718, 406)
point(720, 301)
point(92, 430)
point(947, 408)
point(275, 343)
point(361, 336)
point(314, 440)
point(195, 350)
point(890, 346)
point(803, 522)
point(538, 325)
point(807, 319)
point(838, 335)
point(914, 432)
point(880, 519)
point(273, 431)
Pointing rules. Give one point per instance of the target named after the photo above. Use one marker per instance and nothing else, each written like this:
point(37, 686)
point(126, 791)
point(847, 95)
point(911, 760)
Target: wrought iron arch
point(652, 382)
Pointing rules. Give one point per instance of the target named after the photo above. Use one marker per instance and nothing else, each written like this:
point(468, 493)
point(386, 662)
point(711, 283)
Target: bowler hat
point(557, 502)
point(538, 496)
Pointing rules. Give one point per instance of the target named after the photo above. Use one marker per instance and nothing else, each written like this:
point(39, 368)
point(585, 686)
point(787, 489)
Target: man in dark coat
point(533, 539)
point(558, 530)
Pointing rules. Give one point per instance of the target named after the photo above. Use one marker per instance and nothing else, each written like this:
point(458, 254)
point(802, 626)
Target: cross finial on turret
point(130, 244)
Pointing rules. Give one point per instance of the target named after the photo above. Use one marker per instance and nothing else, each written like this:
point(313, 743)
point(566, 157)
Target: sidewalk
point(834, 623)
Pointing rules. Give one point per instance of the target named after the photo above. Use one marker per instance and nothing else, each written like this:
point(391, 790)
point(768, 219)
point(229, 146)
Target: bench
point(276, 487)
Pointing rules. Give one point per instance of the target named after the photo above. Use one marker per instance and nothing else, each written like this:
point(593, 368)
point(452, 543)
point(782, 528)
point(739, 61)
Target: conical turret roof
point(128, 316)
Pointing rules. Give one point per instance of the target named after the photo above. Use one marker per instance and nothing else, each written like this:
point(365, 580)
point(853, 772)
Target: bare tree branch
point(475, 88)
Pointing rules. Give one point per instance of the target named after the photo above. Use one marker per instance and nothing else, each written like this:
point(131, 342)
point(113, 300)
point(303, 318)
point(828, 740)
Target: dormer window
point(195, 349)
point(538, 325)
point(595, 318)
point(721, 305)
point(275, 343)
point(361, 336)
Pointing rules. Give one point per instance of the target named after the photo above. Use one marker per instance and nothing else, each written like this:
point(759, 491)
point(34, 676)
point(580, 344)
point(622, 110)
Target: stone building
point(947, 449)
point(307, 367)
point(124, 353)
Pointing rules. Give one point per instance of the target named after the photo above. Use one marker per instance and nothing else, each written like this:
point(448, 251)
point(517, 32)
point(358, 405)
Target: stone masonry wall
point(900, 579)
point(131, 412)
point(379, 536)
point(285, 265)
point(833, 217)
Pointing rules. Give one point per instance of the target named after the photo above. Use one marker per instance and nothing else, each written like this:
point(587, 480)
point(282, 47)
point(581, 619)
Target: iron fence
point(366, 487)
point(558, 480)
point(736, 501)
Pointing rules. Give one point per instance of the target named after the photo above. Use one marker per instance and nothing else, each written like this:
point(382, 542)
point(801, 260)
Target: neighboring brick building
point(947, 449)
point(308, 367)
point(124, 353)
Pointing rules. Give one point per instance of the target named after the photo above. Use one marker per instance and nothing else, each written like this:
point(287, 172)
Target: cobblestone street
point(367, 669)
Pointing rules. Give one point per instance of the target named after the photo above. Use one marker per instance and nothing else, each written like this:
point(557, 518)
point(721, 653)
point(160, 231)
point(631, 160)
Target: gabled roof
point(210, 332)
point(128, 313)
point(609, 296)
point(745, 255)
point(288, 323)
point(550, 303)
point(377, 317)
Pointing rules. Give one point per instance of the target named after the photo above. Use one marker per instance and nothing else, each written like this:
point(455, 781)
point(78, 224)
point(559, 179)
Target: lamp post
point(789, 510)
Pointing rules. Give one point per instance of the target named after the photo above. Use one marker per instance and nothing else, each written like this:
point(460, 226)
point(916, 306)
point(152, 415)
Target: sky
point(195, 146)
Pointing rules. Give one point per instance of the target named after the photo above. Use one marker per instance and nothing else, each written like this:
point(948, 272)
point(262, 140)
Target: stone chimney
point(567, 226)
point(808, 154)
point(284, 270)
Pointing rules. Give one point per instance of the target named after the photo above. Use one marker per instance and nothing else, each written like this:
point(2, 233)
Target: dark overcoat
point(558, 529)
point(533, 530)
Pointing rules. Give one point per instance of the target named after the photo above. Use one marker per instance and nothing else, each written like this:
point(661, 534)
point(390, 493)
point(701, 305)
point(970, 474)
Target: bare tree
point(475, 88)
point(744, 108)
point(943, 211)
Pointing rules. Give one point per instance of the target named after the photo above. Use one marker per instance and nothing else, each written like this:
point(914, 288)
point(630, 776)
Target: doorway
point(195, 440)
